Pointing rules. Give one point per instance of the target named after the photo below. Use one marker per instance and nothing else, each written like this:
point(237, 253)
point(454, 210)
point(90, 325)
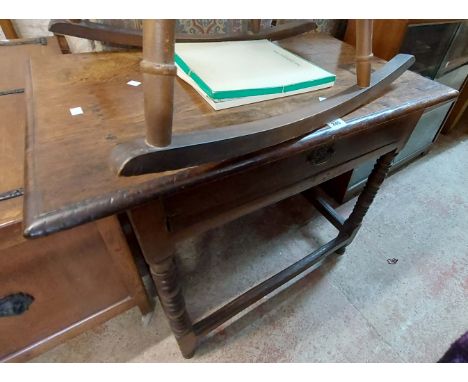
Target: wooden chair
point(160, 151)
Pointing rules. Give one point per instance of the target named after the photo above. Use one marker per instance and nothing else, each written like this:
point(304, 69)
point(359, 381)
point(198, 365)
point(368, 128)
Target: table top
point(68, 176)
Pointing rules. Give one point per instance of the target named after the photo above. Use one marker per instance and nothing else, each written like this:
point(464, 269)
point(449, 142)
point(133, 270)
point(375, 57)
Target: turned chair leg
point(352, 225)
point(150, 227)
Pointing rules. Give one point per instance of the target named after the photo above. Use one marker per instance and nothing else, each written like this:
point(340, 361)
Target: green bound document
point(234, 73)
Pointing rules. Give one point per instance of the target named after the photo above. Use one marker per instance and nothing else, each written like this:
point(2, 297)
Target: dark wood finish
point(366, 197)
point(157, 243)
point(131, 37)
point(167, 207)
point(158, 249)
point(319, 200)
point(114, 114)
point(8, 29)
point(145, 156)
point(185, 226)
point(212, 145)
point(254, 294)
point(339, 187)
point(286, 173)
point(346, 234)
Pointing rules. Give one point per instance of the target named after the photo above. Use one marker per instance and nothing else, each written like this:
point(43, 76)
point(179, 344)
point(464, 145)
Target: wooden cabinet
point(441, 51)
point(54, 287)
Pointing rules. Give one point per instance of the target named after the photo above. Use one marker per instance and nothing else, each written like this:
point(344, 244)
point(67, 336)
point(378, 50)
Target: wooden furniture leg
point(172, 300)
point(158, 248)
point(366, 197)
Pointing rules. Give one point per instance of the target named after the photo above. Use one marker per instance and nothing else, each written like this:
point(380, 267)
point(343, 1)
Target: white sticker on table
point(337, 123)
point(322, 99)
point(134, 83)
point(76, 111)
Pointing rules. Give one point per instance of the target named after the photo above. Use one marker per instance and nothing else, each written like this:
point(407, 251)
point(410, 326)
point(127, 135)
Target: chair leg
point(352, 225)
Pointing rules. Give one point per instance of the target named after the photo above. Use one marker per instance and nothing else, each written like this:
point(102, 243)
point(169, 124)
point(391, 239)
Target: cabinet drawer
point(191, 204)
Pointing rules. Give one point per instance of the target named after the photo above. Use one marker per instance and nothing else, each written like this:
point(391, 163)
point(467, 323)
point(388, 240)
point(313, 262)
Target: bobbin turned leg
point(157, 246)
point(172, 300)
point(352, 225)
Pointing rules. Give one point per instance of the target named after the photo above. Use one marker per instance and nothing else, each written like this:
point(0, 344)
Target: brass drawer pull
point(321, 155)
point(15, 304)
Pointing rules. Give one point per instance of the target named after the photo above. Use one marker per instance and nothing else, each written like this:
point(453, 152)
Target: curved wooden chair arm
point(213, 145)
point(122, 36)
point(160, 151)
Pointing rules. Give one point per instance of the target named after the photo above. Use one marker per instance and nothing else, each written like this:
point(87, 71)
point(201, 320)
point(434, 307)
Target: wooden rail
point(211, 145)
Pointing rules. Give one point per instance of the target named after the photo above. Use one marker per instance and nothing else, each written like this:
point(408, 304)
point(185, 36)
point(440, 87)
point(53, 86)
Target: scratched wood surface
point(69, 181)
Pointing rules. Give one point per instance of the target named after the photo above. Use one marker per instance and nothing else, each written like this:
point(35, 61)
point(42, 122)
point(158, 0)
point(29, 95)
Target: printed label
point(76, 111)
point(337, 123)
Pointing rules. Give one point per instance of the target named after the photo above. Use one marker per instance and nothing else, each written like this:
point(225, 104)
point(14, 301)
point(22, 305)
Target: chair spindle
point(158, 80)
point(363, 52)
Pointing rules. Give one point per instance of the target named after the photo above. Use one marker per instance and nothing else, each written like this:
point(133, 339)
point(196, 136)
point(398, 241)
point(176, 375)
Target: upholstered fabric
point(198, 27)
point(221, 26)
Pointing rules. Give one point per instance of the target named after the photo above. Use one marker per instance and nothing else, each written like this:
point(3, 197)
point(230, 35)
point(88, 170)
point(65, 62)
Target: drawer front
point(49, 284)
point(187, 206)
